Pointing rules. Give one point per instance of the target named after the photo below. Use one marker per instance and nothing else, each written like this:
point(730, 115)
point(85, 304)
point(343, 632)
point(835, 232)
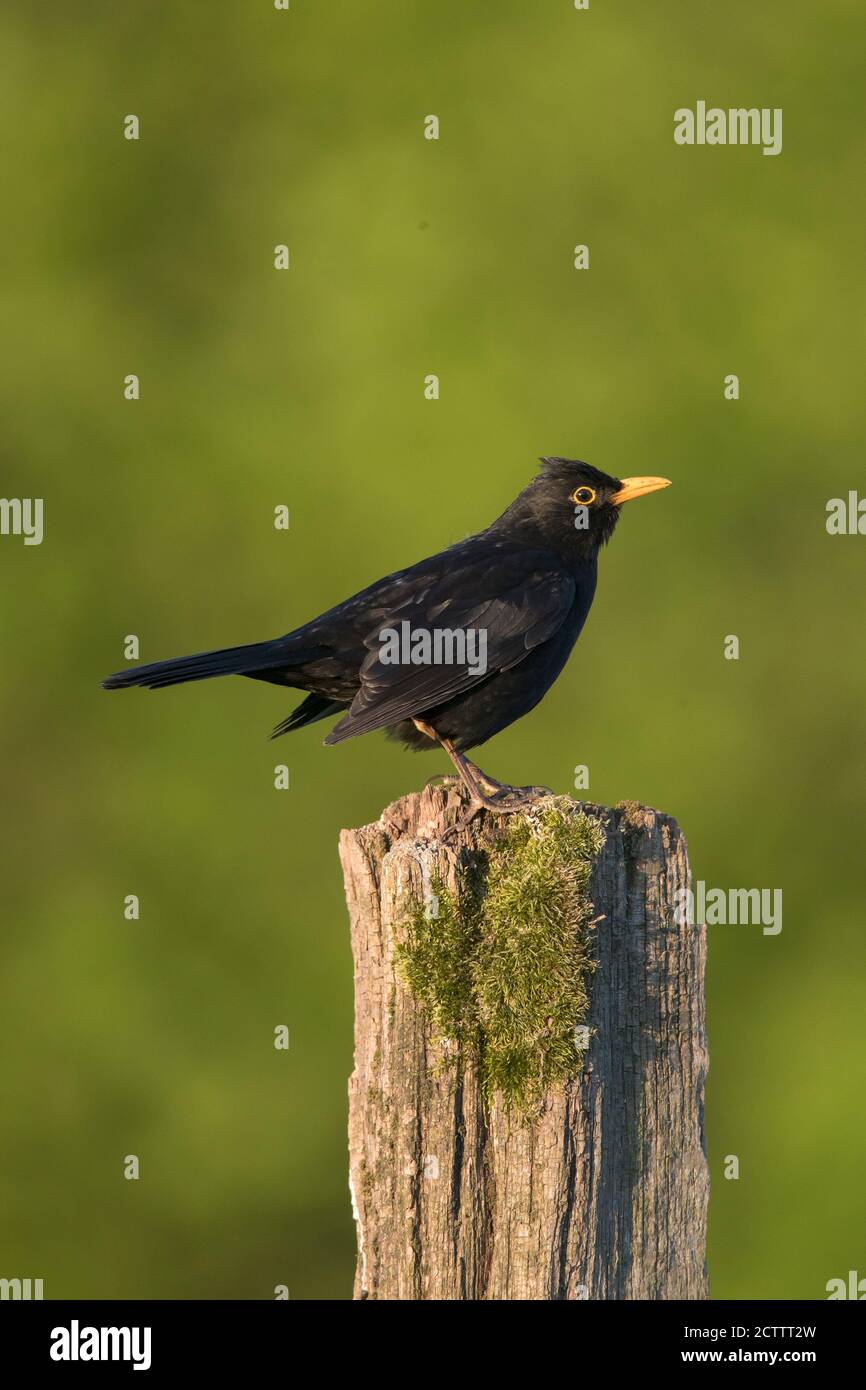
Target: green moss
point(503, 968)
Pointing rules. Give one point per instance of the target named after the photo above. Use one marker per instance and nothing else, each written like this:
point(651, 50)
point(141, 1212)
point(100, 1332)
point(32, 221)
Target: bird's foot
point(484, 792)
point(505, 799)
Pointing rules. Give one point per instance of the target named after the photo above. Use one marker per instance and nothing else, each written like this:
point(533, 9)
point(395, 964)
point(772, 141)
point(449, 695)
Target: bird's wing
point(517, 602)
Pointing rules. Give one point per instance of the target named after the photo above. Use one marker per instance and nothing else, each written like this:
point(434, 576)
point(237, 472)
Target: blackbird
point(453, 649)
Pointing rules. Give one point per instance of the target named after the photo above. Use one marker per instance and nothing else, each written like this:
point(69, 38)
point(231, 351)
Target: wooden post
point(601, 1192)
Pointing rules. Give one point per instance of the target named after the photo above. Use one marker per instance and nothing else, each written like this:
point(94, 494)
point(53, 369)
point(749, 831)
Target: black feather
point(228, 661)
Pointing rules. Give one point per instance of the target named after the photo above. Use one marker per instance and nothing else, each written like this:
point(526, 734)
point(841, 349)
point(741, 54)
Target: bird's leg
point(464, 768)
point(503, 797)
point(501, 792)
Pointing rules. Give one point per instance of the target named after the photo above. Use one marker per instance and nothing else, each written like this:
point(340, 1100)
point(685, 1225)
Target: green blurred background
point(305, 387)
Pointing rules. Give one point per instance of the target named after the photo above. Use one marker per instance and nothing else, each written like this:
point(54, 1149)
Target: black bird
point(511, 601)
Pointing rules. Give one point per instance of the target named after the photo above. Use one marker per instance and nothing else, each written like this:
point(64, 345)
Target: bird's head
point(572, 505)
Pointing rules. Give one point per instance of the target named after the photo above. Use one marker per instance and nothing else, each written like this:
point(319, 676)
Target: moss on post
point(502, 967)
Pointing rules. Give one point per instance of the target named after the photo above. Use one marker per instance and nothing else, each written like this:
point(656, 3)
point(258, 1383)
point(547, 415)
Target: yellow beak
point(636, 487)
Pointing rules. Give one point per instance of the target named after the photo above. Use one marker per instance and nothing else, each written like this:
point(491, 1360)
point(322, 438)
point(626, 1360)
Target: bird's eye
point(583, 496)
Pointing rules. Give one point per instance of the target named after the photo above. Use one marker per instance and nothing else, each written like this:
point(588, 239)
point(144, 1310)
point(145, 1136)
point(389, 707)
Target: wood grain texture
point(602, 1193)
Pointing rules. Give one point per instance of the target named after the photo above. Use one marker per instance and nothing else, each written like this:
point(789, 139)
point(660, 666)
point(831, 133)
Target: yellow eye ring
point(583, 496)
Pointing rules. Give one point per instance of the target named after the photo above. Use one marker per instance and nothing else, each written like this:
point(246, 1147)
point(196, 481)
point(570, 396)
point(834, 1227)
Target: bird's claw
point(506, 800)
point(509, 799)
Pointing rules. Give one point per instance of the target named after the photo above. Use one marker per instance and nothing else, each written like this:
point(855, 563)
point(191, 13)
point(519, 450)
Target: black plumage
point(526, 582)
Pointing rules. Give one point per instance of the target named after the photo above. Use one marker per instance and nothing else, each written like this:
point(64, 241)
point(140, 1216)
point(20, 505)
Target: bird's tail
point(230, 661)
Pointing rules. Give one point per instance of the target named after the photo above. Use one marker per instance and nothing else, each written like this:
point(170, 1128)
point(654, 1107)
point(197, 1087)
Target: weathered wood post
point(598, 1189)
